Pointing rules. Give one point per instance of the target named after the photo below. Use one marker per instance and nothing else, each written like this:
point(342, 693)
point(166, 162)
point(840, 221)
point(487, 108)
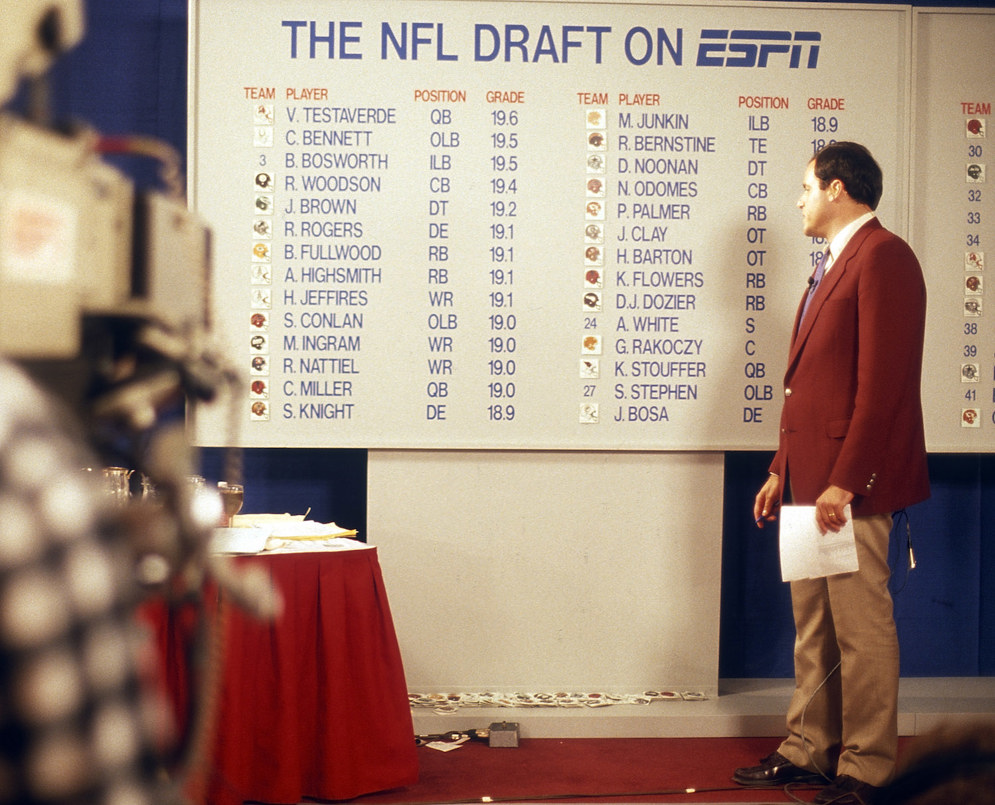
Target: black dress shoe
point(775, 769)
point(846, 790)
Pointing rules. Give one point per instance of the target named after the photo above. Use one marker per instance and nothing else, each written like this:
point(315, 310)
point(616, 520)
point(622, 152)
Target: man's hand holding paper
point(807, 553)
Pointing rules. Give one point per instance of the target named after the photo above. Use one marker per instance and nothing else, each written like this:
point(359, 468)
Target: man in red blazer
point(851, 432)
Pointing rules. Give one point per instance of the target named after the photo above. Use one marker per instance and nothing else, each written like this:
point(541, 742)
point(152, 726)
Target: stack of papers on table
point(282, 533)
point(300, 545)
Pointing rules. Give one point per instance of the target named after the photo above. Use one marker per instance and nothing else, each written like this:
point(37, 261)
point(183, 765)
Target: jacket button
point(787, 392)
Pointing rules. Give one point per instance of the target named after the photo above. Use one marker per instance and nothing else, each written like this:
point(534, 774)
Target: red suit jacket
point(852, 414)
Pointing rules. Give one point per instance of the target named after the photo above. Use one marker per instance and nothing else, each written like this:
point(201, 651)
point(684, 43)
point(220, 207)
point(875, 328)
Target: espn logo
point(721, 47)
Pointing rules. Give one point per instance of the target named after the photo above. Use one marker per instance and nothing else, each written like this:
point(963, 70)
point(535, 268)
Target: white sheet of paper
point(297, 545)
point(238, 540)
point(807, 554)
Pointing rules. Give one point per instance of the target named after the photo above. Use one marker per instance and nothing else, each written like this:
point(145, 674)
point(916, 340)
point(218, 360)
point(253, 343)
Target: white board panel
point(953, 211)
point(523, 225)
point(547, 571)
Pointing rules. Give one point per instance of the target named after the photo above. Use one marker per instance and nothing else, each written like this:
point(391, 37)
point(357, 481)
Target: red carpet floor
point(618, 770)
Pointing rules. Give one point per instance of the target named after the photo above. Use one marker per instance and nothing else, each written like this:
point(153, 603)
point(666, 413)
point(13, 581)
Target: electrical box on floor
point(503, 734)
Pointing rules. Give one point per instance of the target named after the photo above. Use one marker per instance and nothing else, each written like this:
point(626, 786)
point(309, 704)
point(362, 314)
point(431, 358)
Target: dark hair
point(854, 166)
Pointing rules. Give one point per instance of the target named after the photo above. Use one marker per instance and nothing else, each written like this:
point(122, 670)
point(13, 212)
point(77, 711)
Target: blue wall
point(129, 76)
point(945, 608)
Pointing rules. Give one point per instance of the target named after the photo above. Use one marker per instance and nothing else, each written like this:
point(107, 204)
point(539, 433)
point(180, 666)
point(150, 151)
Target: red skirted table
point(314, 704)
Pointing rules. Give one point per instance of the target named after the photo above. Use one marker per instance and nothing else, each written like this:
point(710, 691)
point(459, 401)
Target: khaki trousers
point(850, 724)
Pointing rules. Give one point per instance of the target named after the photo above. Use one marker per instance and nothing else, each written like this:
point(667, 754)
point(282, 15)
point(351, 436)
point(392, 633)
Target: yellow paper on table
point(309, 529)
point(292, 526)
